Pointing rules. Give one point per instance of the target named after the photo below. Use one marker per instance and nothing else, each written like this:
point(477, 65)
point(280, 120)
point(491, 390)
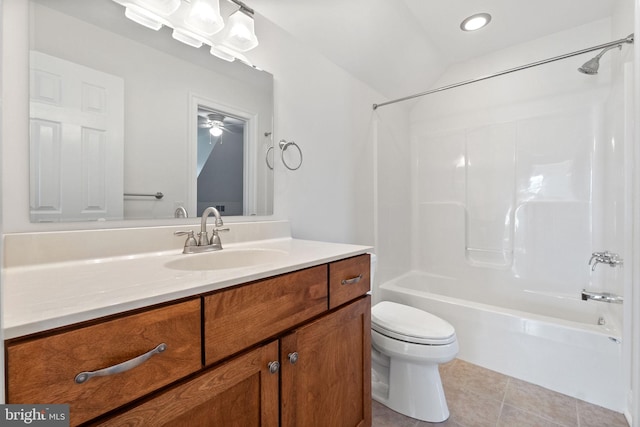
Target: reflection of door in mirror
point(220, 183)
point(76, 141)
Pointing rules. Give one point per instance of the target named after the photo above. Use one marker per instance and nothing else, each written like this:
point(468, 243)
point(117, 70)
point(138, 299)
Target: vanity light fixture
point(161, 7)
point(220, 52)
point(475, 22)
point(186, 37)
point(143, 17)
point(204, 17)
point(198, 22)
point(240, 34)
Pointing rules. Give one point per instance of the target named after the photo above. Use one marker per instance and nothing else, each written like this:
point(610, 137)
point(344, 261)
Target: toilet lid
point(410, 324)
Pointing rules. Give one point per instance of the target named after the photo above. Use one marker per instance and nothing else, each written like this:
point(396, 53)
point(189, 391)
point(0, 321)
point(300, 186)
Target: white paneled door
point(77, 141)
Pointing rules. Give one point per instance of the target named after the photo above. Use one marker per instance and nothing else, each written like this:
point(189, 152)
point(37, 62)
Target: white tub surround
point(516, 182)
point(560, 346)
point(57, 279)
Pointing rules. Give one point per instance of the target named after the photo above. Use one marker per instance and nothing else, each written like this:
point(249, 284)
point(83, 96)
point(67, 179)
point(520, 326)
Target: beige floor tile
point(385, 417)
point(471, 409)
point(473, 396)
point(514, 417)
point(596, 416)
point(448, 365)
point(447, 423)
point(479, 380)
point(545, 403)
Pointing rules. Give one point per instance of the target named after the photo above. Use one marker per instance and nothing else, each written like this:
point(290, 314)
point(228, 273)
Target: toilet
point(408, 344)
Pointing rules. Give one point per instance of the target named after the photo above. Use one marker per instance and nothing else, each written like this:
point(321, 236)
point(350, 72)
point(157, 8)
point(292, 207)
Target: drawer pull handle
point(293, 357)
point(83, 377)
point(352, 281)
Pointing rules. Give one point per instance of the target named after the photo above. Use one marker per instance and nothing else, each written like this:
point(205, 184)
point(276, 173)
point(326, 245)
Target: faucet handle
point(191, 240)
point(597, 256)
point(215, 238)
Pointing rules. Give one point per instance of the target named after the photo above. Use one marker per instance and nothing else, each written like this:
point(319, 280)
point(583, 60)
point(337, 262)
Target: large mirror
point(122, 121)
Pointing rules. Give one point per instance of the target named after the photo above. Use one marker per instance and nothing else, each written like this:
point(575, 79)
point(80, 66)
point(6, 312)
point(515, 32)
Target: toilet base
point(414, 390)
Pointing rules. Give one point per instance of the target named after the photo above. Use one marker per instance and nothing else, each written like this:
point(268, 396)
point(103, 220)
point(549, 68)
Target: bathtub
point(555, 341)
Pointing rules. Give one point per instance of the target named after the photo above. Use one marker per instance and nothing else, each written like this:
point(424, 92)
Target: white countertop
point(46, 296)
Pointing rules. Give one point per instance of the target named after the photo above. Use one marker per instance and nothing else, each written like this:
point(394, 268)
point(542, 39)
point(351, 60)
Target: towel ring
point(266, 159)
point(283, 146)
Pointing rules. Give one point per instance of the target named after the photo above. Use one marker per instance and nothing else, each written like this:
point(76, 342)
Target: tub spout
point(601, 296)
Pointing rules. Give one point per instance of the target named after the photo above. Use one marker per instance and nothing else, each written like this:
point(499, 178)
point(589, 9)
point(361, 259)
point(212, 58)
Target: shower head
point(591, 66)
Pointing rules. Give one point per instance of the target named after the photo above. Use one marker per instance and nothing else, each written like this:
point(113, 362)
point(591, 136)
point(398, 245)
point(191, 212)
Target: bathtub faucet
point(605, 257)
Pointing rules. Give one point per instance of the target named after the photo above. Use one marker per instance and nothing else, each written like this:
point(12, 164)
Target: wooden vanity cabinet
point(238, 318)
point(43, 369)
point(348, 279)
point(291, 350)
point(239, 393)
point(326, 370)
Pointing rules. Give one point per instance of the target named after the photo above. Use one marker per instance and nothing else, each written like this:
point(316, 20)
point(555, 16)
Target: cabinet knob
point(274, 366)
point(293, 357)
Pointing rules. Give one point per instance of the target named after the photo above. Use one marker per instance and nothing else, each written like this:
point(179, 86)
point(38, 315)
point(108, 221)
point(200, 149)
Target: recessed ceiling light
point(475, 22)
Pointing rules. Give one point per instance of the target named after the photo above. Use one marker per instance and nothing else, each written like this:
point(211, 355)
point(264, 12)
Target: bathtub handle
point(352, 281)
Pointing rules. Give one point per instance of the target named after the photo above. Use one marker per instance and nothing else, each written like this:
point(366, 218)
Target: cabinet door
point(239, 393)
point(329, 385)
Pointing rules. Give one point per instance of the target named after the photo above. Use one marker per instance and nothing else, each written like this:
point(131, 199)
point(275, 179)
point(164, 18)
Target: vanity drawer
point(43, 370)
point(348, 279)
point(238, 318)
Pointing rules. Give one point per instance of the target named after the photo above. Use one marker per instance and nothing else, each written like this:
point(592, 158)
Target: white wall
point(632, 313)
point(616, 221)
point(393, 191)
point(328, 113)
point(2, 25)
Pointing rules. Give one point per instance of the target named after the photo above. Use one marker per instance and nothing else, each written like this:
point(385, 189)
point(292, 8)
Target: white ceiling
point(401, 47)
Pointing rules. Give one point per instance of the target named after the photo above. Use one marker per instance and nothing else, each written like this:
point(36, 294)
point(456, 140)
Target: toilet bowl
point(408, 344)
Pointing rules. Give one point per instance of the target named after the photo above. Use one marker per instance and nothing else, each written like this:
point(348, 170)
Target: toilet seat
point(410, 324)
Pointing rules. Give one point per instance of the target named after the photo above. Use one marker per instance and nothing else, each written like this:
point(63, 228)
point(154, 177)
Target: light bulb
point(475, 22)
point(215, 131)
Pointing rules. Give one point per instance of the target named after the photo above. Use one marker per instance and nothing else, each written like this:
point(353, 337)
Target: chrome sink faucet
point(203, 238)
point(605, 257)
point(204, 244)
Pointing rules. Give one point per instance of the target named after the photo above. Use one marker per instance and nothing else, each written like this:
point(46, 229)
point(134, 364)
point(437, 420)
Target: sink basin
point(226, 258)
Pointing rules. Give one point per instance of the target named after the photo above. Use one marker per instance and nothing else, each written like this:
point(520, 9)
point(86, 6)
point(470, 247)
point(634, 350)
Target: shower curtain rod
point(628, 39)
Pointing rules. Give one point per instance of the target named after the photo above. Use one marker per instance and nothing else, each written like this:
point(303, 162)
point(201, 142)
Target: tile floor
point(478, 397)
